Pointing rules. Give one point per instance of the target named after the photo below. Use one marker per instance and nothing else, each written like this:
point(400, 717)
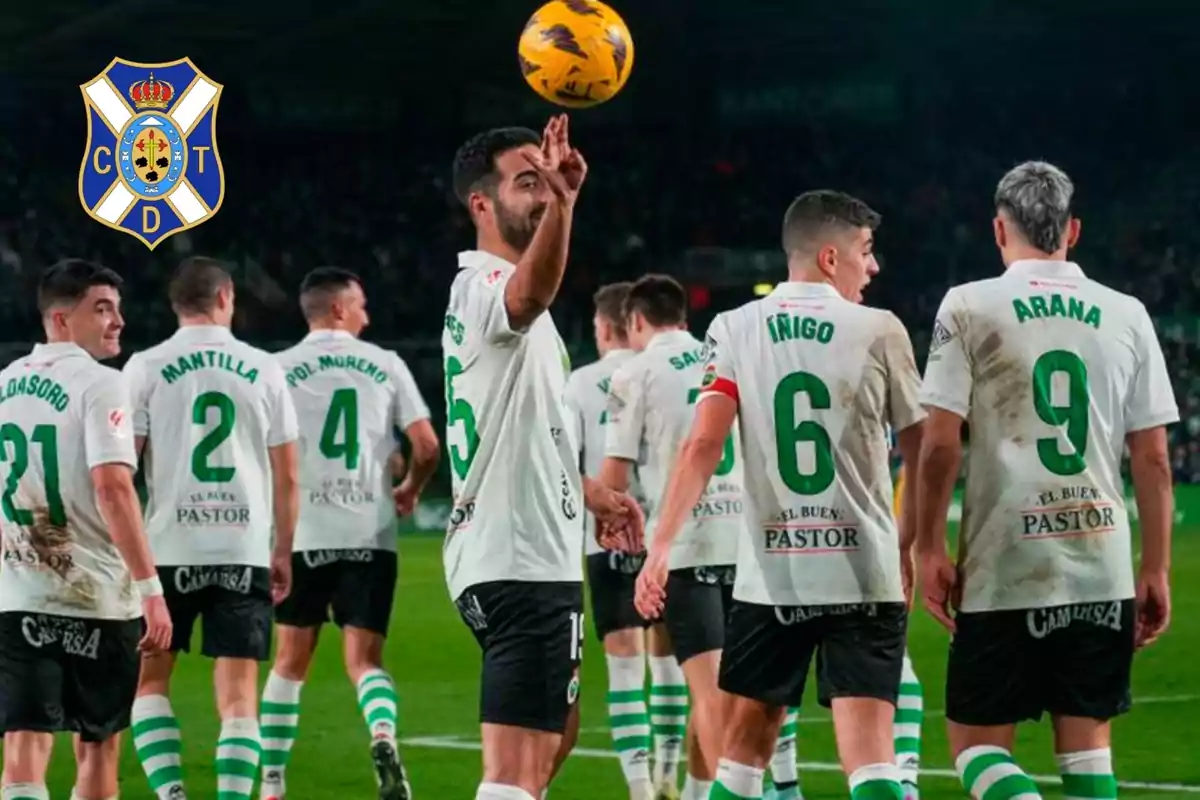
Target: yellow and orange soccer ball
point(576, 53)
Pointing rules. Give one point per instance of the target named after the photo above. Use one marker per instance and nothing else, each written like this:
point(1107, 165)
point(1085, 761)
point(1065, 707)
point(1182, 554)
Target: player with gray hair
point(1056, 374)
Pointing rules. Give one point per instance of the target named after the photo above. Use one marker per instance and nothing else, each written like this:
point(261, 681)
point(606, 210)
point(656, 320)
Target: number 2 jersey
point(350, 397)
point(651, 406)
point(1050, 370)
point(818, 380)
point(210, 406)
point(61, 414)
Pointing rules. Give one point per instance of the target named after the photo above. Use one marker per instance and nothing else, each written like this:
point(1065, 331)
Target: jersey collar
point(620, 351)
point(325, 334)
point(203, 332)
point(1042, 268)
point(668, 338)
point(478, 259)
point(799, 289)
point(57, 350)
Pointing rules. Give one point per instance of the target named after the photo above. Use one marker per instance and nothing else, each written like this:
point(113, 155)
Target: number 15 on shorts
point(576, 636)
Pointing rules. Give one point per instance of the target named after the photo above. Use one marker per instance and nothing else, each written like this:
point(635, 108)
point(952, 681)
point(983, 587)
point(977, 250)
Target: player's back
point(653, 403)
point(818, 380)
point(61, 414)
point(1051, 370)
point(350, 397)
point(211, 407)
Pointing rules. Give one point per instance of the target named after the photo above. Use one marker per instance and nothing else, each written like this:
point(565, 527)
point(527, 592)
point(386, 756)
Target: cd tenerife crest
point(151, 167)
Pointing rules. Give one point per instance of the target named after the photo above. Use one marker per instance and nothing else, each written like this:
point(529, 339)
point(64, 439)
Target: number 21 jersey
point(211, 407)
point(818, 380)
point(1050, 370)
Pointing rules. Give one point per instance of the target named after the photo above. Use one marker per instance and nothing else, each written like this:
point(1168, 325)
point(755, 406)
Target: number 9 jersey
point(1050, 370)
point(210, 406)
point(818, 380)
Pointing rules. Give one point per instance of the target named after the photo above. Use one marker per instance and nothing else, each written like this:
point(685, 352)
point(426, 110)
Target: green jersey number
point(460, 411)
point(1075, 414)
point(46, 437)
point(339, 435)
point(226, 416)
point(789, 434)
point(726, 464)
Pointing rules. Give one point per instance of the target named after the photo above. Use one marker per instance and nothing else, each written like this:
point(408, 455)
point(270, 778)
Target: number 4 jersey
point(210, 407)
point(818, 380)
point(1051, 371)
point(61, 415)
point(350, 396)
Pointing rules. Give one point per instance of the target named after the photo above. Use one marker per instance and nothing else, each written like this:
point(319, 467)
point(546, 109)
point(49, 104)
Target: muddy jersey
point(818, 381)
point(1050, 370)
point(62, 414)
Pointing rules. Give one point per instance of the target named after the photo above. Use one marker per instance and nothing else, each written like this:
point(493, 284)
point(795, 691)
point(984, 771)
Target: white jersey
point(510, 437)
point(210, 406)
point(587, 397)
point(651, 405)
point(350, 397)
point(1050, 370)
point(61, 415)
point(818, 381)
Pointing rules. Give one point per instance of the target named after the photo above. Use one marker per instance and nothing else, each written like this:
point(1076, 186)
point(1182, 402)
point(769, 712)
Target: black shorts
point(67, 674)
point(357, 586)
point(612, 579)
point(532, 640)
point(1010, 666)
point(697, 609)
point(234, 602)
point(859, 648)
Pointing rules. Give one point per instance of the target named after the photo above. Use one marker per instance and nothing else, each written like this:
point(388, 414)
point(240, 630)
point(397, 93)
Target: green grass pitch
point(436, 665)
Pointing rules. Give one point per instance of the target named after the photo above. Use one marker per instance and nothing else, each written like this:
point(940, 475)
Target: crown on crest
point(151, 93)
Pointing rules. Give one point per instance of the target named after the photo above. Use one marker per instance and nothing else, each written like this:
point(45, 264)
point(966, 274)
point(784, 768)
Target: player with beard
point(513, 553)
point(76, 559)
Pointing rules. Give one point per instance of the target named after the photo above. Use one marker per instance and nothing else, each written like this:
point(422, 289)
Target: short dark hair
point(659, 298)
point(475, 161)
point(68, 281)
point(320, 285)
point(811, 215)
point(194, 286)
point(610, 304)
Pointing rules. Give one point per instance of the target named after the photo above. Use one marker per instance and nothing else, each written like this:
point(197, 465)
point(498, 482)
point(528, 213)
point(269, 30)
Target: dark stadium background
point(338, 123)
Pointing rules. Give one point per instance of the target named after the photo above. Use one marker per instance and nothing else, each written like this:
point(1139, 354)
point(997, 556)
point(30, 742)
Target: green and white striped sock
point(377, 701)
point(783, 761)
point(238, 750)
point(668, 716)
point(989, 773)
point(158, 745)
point(279, 717)
point(736, 782)
point(24, 791)
point(910, 713)
point(876, 782)
point(627, 716)
point(1088, 775)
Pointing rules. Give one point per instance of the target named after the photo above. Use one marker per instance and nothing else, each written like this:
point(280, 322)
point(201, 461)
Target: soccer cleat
point(272, 786)
point(667, 791)
point(393, 781)
point(910, 791)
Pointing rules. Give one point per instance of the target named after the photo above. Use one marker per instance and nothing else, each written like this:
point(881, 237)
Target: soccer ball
point(576, 53)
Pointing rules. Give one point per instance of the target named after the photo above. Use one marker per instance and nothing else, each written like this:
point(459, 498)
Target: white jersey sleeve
point(948, 378)
point(410, 406)
point(135, 376)
point(1151, 399)
point(108, 422)
point(626, 415)
point(482, 301)
point(903, 380)
point(720, 376)
point(282, 425)
point(574, 403)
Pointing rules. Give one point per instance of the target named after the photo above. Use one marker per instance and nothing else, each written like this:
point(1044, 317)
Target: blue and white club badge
point(151, 166)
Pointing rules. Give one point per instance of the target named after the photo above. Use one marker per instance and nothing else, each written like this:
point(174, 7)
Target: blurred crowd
point(363, 200)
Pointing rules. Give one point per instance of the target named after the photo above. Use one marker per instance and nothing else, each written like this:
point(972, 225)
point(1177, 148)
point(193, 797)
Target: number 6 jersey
point(210, 406)
point(1051, 370)
point(350, 397)
point(818, 380)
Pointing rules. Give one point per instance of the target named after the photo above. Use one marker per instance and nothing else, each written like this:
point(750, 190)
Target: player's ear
point(1074, 227)
point(477, 204)
point(827, 260)
point(1000, 233)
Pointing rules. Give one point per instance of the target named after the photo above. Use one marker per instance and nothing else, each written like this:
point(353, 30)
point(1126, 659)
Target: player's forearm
point(1151, 472)
point(535, 284)
point(423, 463)
point(909, 441)
point(285, 484)
point(121, 511)
point(698, 459)
point(937, 469)
point(614, 473)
